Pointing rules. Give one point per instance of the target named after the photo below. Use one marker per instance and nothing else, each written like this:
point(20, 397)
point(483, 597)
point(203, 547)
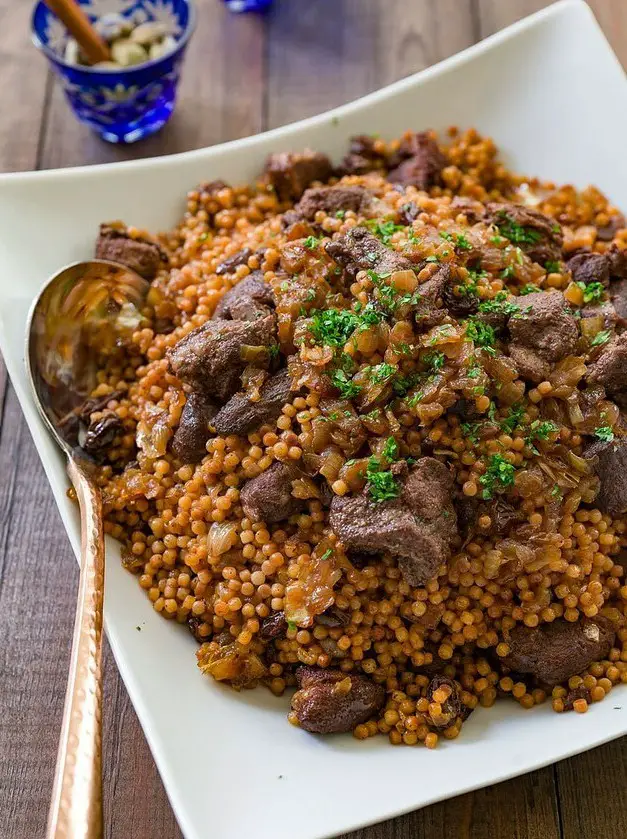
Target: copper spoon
point(82, 311)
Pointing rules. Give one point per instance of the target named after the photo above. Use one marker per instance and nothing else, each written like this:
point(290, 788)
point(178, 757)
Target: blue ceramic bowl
point(127, 104)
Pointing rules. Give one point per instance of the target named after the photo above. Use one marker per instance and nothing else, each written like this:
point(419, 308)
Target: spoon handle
point(76, 807)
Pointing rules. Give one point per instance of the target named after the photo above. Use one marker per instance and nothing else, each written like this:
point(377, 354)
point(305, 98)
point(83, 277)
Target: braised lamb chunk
point(610, 368)
point(606, 310)
point(191, 436)
point(609, 461)
point(432, 294)
point(290, 173)
point(209, 359)
point(539, 236)
point(473, 210)
point(331, 702)
point(250, 299)
point(229, 265)
point(417, 527)
point(618, 298)
point(588, 267)
point(359, 250)
point(423, 164)
point(268, 497)
point(542, 333)
point(333, 199)
point(609, 230)
point(556, 651)
point(362, 157)
point(142, 256)
point(241, 414)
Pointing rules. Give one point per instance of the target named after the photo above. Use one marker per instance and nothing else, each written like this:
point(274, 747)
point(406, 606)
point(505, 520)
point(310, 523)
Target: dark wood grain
point(306, 56)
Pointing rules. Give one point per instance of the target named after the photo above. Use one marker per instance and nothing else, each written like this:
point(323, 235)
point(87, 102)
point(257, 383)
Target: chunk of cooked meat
point(587, 267)
point(362, 156)
point(142, 256)
point(240, 414)
point(229, 265)
point(556, 651)
point(290, 173)
point(433, 293)
point(250, 299)
point(606, 310)
point(423, 165)
point(609, 460)
point(191, 436)
point(359, 250)
point(331, 199)
point(542, 333)
point(209, 359)
point(618, 297)
point(268, 497)
point(417, 527)
point(610, 368)
point(539, 236)
point(331, 702)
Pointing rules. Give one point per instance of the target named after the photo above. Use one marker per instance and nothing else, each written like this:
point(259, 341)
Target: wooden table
point(243, 74)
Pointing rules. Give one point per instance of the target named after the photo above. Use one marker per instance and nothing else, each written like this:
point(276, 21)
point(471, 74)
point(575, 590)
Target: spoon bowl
point(82, 314)
point(80, 317)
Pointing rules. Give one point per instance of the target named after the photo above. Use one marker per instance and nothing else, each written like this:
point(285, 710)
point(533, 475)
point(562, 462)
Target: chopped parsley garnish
point(292, 625)
point(514, 419)
point(381, 372)
point(458, 239)
point(605, 433)
point(340, 214)
point(601, 338)
point(530, 288)
point(552, 266)
point(433, 258)
point(515, 232)
point(326, 554)
point(470, 430)
point(390, 449)
point(592, 292)
point(508, 273)
point(382, 485)
point(311, 242)
point(498, 476)
point(541, 430)
point(346, 386)
point(384, 230)
point(482, 334)
point(434, 360)
point(556, 492)
point(333, 327)
point(499, 305)
point(273, 349)
point(402, 384)
point(474, 370)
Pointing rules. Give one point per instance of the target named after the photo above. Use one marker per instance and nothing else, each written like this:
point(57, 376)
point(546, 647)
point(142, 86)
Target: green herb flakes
point(498, 476)
point(605, 433)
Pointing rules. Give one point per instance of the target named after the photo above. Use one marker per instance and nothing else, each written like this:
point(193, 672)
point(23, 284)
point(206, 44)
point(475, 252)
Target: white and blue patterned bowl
point(122, 105)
